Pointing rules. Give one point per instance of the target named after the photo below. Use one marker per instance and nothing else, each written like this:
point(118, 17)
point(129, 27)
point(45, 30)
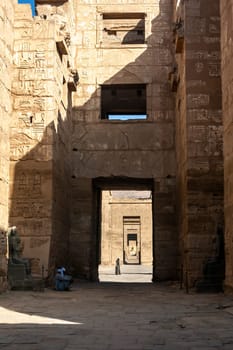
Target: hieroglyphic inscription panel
point(40, 131)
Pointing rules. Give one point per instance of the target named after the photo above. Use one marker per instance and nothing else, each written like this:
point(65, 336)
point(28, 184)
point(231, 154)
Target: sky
point(31, 2)
point(127, 117)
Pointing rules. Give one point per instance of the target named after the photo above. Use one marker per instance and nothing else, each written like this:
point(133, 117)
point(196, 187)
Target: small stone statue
point(16, 249)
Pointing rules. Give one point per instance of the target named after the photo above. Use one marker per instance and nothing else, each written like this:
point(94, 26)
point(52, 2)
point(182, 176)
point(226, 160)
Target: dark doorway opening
point(123, 229)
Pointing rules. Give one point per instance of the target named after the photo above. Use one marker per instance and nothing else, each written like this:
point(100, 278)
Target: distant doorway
point(132, 239)
point(125, 234)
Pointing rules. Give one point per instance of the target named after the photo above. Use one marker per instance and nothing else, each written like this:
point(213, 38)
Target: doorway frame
point(115, 183)
point(138, 240)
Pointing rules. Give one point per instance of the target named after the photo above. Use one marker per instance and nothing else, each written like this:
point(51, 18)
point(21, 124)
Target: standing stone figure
point(16, 249)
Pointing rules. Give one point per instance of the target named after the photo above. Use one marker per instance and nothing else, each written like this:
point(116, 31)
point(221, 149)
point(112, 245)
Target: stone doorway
point(125, 232)
point(132, 240)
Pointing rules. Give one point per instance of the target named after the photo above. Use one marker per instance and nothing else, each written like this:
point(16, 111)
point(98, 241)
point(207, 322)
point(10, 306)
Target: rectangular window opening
point(123, 102)
point(123, 28)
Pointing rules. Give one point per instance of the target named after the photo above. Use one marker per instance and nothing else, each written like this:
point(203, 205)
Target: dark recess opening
point(123, 100)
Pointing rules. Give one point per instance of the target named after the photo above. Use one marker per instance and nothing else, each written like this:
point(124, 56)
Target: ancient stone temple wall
point(109, 55)
point(227, 76)
point(199, 133)
point(66, 79)
point(40, 128)
point(6, 44)
point(157, 60)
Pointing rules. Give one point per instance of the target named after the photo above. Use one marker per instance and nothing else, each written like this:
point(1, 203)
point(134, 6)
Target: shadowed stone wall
point(227, 77)
point(198, 133)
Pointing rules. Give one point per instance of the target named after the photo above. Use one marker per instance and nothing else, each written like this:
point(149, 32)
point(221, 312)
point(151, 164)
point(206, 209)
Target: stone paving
point(116, 316)
point(129, 273)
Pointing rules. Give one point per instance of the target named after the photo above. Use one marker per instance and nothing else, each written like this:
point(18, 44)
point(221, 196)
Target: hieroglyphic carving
point(25, 32)
point(23, 103)
point(29, 210)
point(40, 59)
point(42, 73)
point(36, 74)
point(214, 69)
point(44, 104)
point(199, 66)
point(203, 55)
point(18, 151)
point(198, 100)
point(43, 29)
point(24, 44)
point(39, 103)
point(25, 59)
point(196, 25)
point(38, 125)
point(28, 183)
point(40, 88)
point(32, 227)
point(22, 87)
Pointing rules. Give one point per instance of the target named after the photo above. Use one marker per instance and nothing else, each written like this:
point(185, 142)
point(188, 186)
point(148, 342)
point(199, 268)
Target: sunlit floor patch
point(12, 317)
point(129, 274)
